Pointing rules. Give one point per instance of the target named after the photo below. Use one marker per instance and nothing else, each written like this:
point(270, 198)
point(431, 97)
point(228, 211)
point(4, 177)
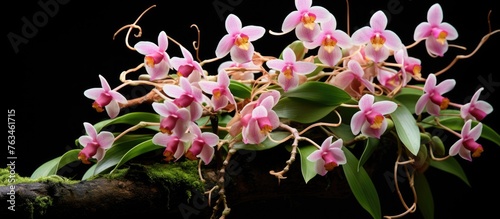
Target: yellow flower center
point(377, 41)
point(308, 21)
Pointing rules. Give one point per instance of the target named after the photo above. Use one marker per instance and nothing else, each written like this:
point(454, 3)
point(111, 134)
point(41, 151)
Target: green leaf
point(406, 128)
point(114, 154)
point(89, 173)
point(301, 110)
point(307, 167)
point(132, 118)
point(342, 131)
point(46, 169)
point(456, 123)
point(451, 166)
point(139, 149)
point(239, 89)
point(319, 93)
point(266, 144)
point(408, 97)
point(298, 48)
point(51, 167)
point(371, 145)
point(425, 201)
point(361, 185)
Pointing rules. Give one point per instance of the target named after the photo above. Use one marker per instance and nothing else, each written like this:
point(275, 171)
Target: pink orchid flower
point(94, 145)
point(221, 95)
point(203, 145)
point(410, 65)
point(175, 144)
point(467, 143)
point(184, 93)
point(105, 97)
point(370, 120)
point(238, 40)
point(380, 41)
point(435, 32)
point(290, 69)
point(354, 73)
point(330, 40)
point(432, 98)
point(329, 156)
point(241, 119)
point(476, 109)
point(173, 118)
point(156, 60)
point(185, 66)
point(389, 78)
point(308, 16)
point(260, 122)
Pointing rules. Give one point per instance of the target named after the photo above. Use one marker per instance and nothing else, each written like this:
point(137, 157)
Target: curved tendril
point(132, 26)
point(483, 40)
point(196, 44)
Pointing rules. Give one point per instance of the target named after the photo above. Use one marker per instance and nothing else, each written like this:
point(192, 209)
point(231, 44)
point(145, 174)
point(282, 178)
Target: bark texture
point(250, 190)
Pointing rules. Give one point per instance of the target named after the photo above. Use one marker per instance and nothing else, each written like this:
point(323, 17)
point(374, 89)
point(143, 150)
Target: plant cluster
point(326, 93)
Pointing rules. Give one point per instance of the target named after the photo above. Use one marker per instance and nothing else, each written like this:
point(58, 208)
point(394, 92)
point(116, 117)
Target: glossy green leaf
point(132, 118)
point(46, 169)
point(406, 128)
point(425, 201)
point(51, 167)
point(239, 89)
point(319, 93)
point(114, 154)
point(409, 97)
point(307, 167)
point(451, 166)
point(266, 144)
point(361, 185)
point(371, 145)
point(301, 110)
point(456, 123)
point(343, 131)
point(89, 173)
point(136, 151)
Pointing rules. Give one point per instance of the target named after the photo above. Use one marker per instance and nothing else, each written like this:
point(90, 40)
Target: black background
point(73, 43)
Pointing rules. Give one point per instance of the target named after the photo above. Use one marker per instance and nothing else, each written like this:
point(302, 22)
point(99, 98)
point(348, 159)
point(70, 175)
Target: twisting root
point(196, 44)
point(413, 207)
point(483, 40)
point(293, 153)
point(132, 26)
point(222, 192)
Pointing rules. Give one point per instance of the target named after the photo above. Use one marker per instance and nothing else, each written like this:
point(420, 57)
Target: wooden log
point(175, 190)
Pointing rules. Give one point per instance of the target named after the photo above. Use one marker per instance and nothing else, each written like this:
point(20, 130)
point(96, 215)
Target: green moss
point(6, 178)
point(42, 203)
point(177, 173)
